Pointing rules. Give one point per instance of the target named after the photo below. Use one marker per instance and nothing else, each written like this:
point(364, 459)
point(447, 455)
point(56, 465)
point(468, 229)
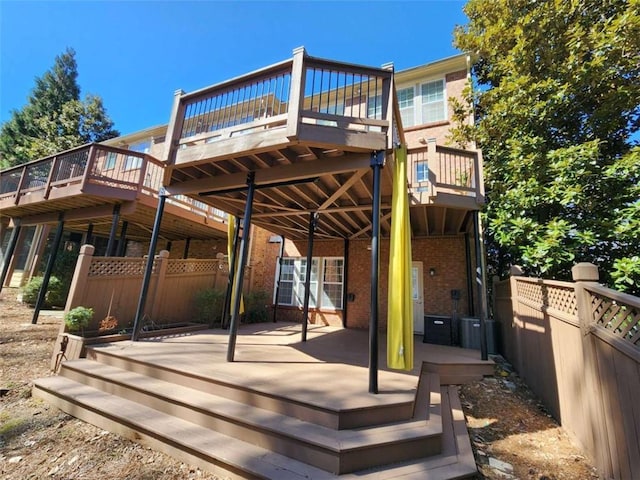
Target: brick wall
point(197, 248)
point(445, 254)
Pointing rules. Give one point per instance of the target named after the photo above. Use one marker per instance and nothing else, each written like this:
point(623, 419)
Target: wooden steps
point(234, 430)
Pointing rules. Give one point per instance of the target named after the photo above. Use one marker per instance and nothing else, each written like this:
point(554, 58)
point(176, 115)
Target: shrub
point(208, 306)
point(256, 306)
point(78, 318)
point(54, 297)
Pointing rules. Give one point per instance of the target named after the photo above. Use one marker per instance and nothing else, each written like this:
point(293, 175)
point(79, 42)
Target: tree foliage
point(54, 118)
point(558, 107)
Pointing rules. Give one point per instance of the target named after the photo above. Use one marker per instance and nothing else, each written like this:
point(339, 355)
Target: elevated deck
point(306, 128)
point(85, 184)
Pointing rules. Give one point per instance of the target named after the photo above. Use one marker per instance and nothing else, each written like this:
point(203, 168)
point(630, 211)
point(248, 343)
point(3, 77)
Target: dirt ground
point(512, 435)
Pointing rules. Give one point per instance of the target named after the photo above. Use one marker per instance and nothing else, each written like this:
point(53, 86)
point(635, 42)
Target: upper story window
point(405, 102)
point(110, 162)
point(133, 162)
point(374, 107)
point(433, 104)
point(427, 106)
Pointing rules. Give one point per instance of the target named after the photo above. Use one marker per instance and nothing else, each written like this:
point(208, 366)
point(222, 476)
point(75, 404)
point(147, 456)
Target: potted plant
point(78, 318)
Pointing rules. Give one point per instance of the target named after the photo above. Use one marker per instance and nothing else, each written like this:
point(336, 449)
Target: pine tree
point(54, 118)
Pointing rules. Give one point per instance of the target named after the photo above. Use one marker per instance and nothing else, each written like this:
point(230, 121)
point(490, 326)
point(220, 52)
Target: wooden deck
point(283, 409)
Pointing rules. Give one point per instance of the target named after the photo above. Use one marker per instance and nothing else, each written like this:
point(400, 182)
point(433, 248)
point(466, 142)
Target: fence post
point(163, 260)
point(434, 166)
point(516, 271)
point(584, 274)
point(79, 282)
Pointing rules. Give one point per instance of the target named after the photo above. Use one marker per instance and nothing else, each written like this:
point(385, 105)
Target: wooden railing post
point(23, 179)
point(584, 273)
point(79, 282)
point(480, 198)
point(161, 274)
point(90, 160)
point(52, 172)
point(296, 95)
point(175, 127)
point(434, 166)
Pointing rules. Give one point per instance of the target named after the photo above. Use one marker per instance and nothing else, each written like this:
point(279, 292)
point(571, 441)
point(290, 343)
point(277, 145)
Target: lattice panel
point(109, 267)
point(622, 320)
point(191, 266)
point(562, 299)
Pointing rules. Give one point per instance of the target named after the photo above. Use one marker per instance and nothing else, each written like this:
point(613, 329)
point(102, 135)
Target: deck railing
point(301, 90)
point(437, 169)
point(90, 169)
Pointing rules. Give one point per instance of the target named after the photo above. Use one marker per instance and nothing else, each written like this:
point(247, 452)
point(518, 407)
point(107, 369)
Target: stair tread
point(330, 439)
point(456, 460)
point(233, 452)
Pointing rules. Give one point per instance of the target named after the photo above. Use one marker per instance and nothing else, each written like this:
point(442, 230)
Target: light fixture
point(432, 272)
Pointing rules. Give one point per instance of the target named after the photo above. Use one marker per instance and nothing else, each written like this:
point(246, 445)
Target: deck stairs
point(237, 432)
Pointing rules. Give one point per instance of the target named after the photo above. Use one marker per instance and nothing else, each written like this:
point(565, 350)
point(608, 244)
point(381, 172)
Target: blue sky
point(136, 54)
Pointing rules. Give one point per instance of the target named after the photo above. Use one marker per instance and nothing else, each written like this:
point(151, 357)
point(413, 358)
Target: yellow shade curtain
point(231, 232)
point(400, 305)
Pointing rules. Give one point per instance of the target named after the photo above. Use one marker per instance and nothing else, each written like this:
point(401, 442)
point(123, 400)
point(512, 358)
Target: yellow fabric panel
point(400, 305)
point(231, 231)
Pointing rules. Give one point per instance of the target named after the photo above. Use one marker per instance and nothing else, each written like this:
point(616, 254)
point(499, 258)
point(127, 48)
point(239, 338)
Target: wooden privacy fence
point(111, 286)
point(577, 345)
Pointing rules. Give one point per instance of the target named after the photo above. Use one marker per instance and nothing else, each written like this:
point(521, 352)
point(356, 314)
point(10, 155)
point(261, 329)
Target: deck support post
point(313, 222)
point(47, 273)
point(467, 252)
point(480, 284)
point(377, 163)
point(122, 244)
point(232, 270)
point(146, 280)
point(89, 235)
point(280, 258)
point(114, 229)
point(13, 241)
point(239, 275)
point(187, 243)
point(345, 282)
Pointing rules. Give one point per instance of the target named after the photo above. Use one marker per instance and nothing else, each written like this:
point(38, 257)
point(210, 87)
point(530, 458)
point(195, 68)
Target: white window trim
point(299, 280)
point(417, 100)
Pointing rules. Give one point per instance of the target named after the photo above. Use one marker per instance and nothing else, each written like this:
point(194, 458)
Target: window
point(422, 172)
point(433, 104)
point(110, 162)
point(374, 107)
point(325, 287)
point(405, 102)
point(333, 270)
point(429, 106)
point(132, 162)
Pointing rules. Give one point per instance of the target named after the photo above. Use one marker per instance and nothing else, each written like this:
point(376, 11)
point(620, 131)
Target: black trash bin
point(437, 329)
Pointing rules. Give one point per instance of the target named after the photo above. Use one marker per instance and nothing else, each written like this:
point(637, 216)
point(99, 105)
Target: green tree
point(54, 118)
point(558, 105)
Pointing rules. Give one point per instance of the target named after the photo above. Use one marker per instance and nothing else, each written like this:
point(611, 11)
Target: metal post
point(480, 285)
point(239, 276)
point(313, 221)
point(280, 257)
point(47, 273)
point(162, 197)
point(187, 243)
point(9, 253)
point(377, 162)
point(467, 252)
point(114, 228)
point(345, 283)
point(122, 244)
point(89, 237)
point(232, 271)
